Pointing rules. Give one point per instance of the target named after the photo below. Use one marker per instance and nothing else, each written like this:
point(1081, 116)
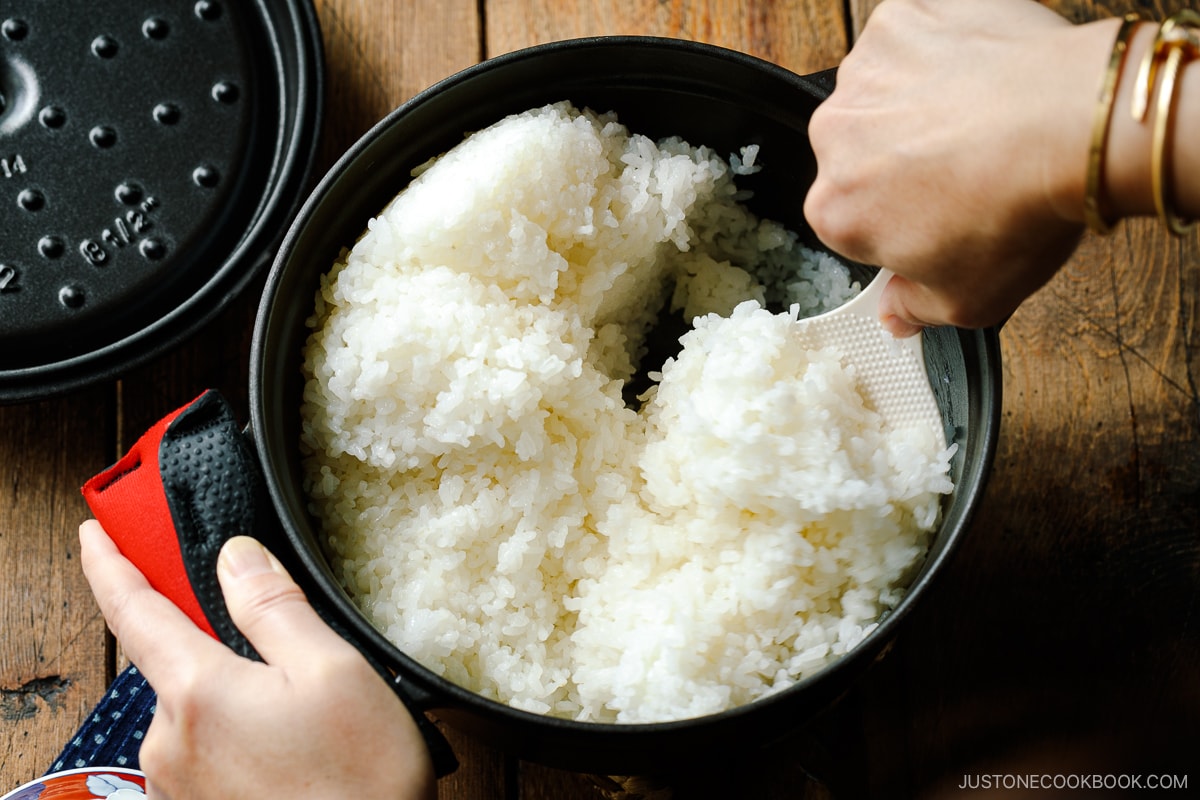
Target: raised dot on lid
point(166, 114)
point(14, 29)
point(31, 200)
point(128, 193)
point(102, 136)
point(52, 117)
point(155, 28)
point(225, 92)
point(208, 10)
point(72, 296)
point(105, 46)
point(153, 249)
point(206, 175)
point(51, 247)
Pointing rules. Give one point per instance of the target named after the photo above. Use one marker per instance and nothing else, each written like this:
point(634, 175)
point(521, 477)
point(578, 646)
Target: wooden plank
point(54, 660)
point(777, 780)
point(483, 772)
point(801, 35)
point(380, 54)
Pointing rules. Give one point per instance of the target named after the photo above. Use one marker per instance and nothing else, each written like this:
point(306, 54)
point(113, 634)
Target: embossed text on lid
point(149, 159)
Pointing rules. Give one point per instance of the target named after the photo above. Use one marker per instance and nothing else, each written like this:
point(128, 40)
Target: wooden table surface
point(1064, 637)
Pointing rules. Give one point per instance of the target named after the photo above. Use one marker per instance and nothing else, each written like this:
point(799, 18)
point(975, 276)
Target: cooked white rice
point(498, 511)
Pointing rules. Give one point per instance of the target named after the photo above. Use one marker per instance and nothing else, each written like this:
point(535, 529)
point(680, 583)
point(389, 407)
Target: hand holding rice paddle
point(890, 372)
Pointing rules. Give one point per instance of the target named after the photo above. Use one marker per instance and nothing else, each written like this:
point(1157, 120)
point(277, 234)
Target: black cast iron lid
point(151, 155)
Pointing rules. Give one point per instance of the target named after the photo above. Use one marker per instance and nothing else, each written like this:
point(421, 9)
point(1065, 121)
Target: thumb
point(898, 326)
point(896, 306)
point(266, 604)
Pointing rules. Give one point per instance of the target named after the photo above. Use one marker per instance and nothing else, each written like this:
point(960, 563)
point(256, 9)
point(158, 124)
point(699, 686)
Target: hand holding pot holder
point(186, 486)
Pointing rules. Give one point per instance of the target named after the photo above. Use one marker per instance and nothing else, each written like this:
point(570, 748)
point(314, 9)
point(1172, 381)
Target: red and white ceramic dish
point(88, 783)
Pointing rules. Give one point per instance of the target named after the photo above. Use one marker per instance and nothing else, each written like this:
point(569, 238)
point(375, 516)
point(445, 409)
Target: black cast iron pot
point(657, 87)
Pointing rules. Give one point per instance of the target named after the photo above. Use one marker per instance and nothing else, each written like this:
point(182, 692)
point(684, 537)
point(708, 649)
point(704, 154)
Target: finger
point(900, 328)
point(905, 308)
point(267, 605)
point(155, 793)
point(156, 635)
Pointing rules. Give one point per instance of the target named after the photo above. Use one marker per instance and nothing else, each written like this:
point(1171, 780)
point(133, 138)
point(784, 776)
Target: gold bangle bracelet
point(1176, 41)
point(1094, 212)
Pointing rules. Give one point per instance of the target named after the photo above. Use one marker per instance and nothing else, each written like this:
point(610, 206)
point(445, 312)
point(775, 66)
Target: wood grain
point(1064, 635)
point(378, 55)
point(802, 35)
point(54, 656)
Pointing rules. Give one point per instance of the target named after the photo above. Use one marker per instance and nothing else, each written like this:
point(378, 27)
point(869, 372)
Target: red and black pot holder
point(185, 487)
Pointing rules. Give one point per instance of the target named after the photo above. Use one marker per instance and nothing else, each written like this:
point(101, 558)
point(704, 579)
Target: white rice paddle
point(890, 372)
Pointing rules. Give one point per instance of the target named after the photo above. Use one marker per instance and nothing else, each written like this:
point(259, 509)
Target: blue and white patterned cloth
point(112, 734)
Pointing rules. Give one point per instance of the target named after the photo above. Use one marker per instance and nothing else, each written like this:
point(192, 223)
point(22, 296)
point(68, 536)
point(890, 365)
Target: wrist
point(1169, 87)
point(1126, 172)
point(1072, 89)
point(1130, 175)
point(1127, 176)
